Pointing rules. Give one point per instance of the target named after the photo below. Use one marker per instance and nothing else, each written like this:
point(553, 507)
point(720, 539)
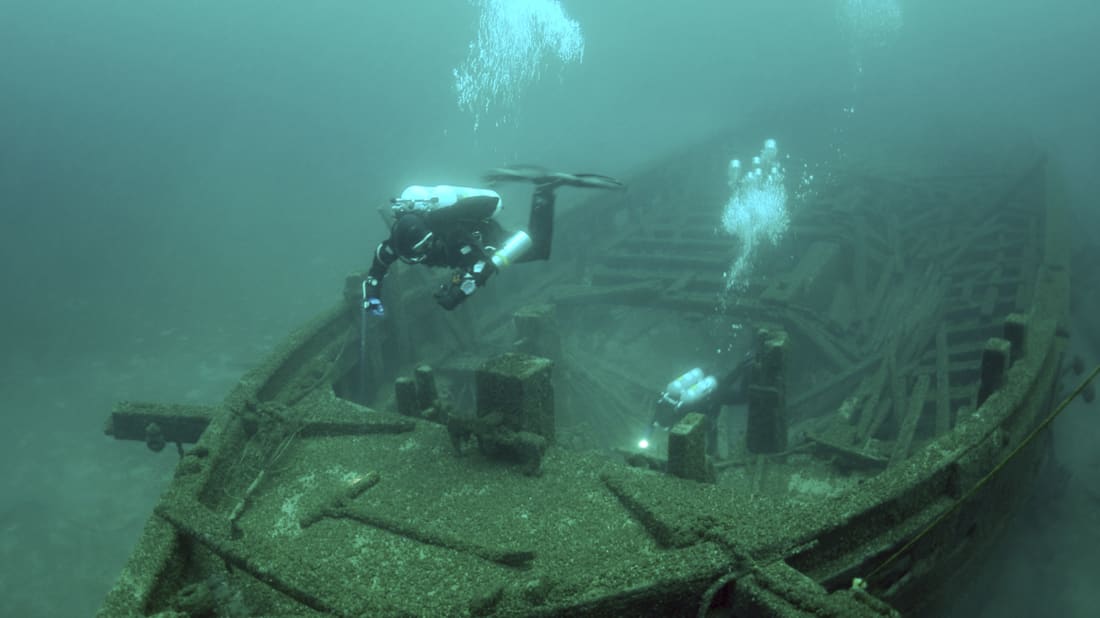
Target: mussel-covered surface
point(903, 337)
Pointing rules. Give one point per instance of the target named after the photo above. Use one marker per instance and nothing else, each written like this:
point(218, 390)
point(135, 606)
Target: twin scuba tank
point(424, 200)
point(690, 388)
point(477, 204)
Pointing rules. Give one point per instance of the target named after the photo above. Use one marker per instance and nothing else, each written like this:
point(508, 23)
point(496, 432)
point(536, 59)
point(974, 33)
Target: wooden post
point(518, 387)
point(995, 362)
point(687, 448)
point(767, 419)
point(1016, 333)
point(426, 393)
point(404, 391)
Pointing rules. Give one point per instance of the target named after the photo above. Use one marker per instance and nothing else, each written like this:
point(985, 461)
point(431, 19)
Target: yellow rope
point(862, 582)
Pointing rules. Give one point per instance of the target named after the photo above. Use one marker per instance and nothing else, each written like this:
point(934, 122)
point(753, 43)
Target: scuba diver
point(705, 394)
point(454, 227)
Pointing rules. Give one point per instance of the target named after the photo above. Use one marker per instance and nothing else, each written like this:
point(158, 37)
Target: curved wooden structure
point(910, 335)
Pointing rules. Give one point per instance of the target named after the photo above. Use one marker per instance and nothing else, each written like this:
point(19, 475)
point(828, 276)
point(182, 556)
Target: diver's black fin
point(543, 177)
point(594, 181)
point(517, 173)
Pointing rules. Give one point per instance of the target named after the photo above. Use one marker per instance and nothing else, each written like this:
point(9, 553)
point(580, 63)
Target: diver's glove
point(452, 294)
point(374, 306)
point(463, 284)
point(371, 302)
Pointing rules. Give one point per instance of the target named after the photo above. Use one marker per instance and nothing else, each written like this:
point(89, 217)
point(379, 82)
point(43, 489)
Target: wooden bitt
point(767, 419)
point(770, 367)
point(426, 393)
point(767, 427)
point(995, 362)
point(687, 448)
point(404, 390)
point(1015, 332)
point(519, 388)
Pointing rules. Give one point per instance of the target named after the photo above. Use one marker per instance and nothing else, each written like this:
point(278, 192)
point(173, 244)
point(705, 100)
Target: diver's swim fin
point(516, 173)
point(592, 181)
point(543, 177)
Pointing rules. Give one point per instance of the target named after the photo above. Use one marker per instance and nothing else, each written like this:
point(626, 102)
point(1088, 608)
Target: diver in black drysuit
point(465, 237)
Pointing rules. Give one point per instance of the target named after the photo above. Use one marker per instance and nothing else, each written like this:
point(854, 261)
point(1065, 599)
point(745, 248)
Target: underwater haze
point(183, 182)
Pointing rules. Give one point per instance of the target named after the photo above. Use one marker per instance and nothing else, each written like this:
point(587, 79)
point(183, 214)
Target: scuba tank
point(699, 391)
point(424, 199)
point(513, 248)
point(687, 390)
point(690, 388)
point(675, 389)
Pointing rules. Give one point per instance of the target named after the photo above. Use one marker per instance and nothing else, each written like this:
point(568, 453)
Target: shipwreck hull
point(924, 318)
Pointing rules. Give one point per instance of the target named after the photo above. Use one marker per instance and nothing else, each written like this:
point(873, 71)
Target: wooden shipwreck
point(908, 334)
